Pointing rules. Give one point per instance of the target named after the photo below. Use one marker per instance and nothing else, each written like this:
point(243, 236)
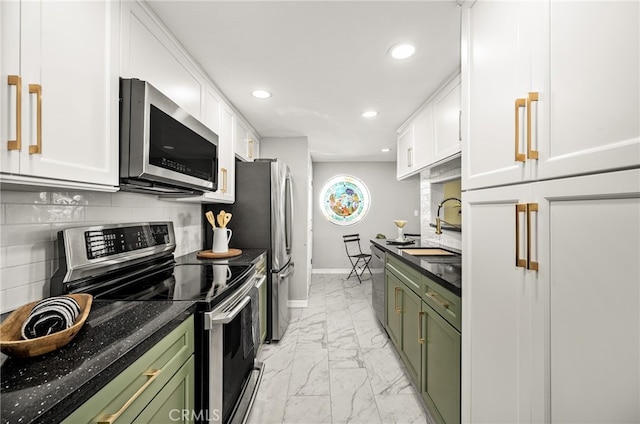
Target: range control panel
point(113, 241)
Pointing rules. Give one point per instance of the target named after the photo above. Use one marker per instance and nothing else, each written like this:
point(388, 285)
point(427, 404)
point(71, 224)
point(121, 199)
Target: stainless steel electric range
point(135, 261)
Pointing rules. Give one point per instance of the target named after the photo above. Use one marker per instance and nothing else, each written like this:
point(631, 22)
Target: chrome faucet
point(438, 220)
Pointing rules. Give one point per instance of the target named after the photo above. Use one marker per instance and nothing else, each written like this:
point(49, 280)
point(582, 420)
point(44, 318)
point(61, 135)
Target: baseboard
point(330, 271)
point(297, 303)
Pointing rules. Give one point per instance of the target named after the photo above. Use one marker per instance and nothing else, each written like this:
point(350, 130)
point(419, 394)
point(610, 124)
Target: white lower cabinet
point(59, 81)
point(551, 321)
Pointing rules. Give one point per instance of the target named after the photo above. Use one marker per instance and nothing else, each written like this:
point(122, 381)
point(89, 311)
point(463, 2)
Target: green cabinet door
point(394, 309)
point(412, 336)
point(441, 376)
point(175, 402)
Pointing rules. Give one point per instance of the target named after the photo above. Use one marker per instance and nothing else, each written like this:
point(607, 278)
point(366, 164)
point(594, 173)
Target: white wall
point(30, 221)
point(294, 151)
point(390, 200)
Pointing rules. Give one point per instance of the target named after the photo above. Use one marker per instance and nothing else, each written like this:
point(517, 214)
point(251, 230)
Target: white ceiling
point(325, 62)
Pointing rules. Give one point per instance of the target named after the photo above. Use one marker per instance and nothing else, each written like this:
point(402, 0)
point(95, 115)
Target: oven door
point(232, 357)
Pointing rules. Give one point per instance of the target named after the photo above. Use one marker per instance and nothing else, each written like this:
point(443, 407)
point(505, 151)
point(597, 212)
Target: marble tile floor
point(335, 364)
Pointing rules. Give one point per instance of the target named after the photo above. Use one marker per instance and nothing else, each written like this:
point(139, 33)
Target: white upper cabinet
point(150, 53)
point(60, 93)
point(246, 143)
point(545, 95)
point(433, 134)
point(447, 113)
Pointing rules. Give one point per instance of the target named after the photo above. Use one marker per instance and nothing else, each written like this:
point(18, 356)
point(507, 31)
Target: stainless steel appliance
point(378, 298)
point(135, 262)
point(262, 218)
point(163, 149)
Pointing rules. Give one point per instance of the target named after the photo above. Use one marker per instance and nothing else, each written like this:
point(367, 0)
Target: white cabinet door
point(69, 72)
point(245, 141)
point(590, 65)
point(10, 77)
point(495, 74)
point(151, 54)
point(405, 158)
point(589, 238)
point(423, 143)
point(227, 160)
point(496, 307)
point(447, 116)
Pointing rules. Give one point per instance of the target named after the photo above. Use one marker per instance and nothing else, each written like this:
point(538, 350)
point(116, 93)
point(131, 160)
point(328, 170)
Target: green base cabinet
point(423, 322)
point(441, 373)
point(156, 388)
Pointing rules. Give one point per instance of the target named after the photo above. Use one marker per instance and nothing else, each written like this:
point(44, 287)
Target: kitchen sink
point(432, 254)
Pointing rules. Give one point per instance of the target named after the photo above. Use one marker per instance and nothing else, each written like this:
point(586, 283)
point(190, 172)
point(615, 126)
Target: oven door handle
point(214, 318)
point(261, 281)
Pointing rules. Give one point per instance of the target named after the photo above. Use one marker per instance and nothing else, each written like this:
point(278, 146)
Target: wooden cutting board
point(208, 254)
point(427, 252)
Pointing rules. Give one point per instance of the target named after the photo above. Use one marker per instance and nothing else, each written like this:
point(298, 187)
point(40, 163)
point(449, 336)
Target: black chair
point(359, 261)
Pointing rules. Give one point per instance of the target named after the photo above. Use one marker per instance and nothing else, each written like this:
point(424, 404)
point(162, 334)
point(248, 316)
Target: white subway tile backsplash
point(12, 235)
point(24, 214)
point(30, 221)
point(24, 197)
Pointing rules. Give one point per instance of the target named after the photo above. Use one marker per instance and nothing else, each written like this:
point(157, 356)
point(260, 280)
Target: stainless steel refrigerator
point(262, 219)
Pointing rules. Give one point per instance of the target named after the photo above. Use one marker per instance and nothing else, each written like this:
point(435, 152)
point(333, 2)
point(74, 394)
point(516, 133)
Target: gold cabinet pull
point(395, 303)
point(520, 157)
point(533, 97)
point(152, 374)
point(420, 338)
point(520, 208)
point(434, 296)
point(17, 143)
point(37, 90)
point(250, 141)
point(460, 126)
point(410, 157)
point(531, 207)
point(224, 179)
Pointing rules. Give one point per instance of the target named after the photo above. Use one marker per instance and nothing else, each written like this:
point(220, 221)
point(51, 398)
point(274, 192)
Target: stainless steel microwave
point(163, 149)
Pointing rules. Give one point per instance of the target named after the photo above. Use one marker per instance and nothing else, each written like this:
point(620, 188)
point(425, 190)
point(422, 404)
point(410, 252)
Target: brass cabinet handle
point(37, 90)
point(17, 143)
point(520, 208)
point(520, 157)
point(420, 338)
point(532, 265)
point(250, 141)
point(533, 97)
point(224, 179)
point(152, 374)
point(460, 126)
point(395, 303)
point(433, 296)
point(410, 157)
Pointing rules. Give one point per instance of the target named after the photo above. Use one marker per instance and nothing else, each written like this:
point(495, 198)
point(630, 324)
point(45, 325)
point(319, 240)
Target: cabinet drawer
point(409, 276)
point(133, 389)
point(442, 300)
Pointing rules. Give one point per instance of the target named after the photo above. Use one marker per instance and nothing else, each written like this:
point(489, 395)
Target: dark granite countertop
point(247, 257)
point(47, 388)
point(447, 274)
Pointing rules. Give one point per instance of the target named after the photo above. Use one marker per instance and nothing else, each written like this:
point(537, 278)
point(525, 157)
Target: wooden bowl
point(12, 343)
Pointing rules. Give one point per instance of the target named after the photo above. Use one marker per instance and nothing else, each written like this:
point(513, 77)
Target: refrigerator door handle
point(288, 212)
point(287, 271)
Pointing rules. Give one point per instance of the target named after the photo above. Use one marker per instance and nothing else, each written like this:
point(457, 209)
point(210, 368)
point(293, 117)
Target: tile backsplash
point(30, 221)
point(431, 193)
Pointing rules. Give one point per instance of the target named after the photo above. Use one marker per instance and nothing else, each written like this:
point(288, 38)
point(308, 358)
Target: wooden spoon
point(211, 219)
point(221, 223)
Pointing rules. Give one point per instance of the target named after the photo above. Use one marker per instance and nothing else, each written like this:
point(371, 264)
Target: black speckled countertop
point(47, 388)
point(447, 274)
point(247, 257)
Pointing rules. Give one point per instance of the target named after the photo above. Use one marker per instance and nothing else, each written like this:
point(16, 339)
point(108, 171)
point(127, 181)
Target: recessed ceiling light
point(385, 150)
point(369, 114)
point(261, 94)
point(402, 50)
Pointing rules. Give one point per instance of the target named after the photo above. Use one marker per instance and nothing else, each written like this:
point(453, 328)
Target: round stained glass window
point(344, 200)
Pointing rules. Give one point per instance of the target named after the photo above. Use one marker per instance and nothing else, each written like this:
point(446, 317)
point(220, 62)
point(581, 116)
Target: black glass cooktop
point(195, 282)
